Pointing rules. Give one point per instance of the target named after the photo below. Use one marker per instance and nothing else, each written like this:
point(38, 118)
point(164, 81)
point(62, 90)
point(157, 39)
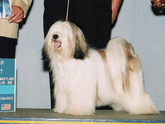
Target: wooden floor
point(101, 116)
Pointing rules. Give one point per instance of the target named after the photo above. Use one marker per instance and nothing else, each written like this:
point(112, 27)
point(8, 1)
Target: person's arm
point(115, 8)
point(158, 3)
point(19, 10)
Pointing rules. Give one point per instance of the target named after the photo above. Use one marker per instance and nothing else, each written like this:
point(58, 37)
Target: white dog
point(85, 78)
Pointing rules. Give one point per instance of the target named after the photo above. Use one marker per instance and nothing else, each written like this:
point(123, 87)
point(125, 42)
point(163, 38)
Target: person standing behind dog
point(94, 17)
point(9, 27)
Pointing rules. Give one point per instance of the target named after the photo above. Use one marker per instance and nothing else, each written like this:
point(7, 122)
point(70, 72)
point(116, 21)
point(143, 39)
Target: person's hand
point(115, 8)
point(17, 15)
point(114, 15)
point(158, 3)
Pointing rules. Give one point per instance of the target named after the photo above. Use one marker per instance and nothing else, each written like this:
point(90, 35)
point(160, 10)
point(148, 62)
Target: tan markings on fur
point(103, 54)
point(73, 26)
point(82, 42)
point(126, 81)
point(133, 64)
point(104, 58)
point(78, 37)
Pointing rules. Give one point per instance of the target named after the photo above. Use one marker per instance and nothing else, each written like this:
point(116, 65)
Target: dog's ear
point(81, 47)
point(45, 51)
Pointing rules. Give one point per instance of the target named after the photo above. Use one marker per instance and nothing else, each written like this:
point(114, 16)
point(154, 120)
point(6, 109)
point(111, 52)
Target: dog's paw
point(58, 110)
point(146, 111)
point(80, 111)
point(145, 106)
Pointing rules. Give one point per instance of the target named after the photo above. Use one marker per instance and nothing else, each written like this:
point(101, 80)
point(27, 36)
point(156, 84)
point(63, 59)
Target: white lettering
point(1, 71)
point(6, 98)
point(2, 62)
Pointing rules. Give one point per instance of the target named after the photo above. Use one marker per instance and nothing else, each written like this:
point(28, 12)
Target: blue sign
point(7, 84)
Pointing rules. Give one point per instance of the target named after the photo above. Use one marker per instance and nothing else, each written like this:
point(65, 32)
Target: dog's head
point(65, 40)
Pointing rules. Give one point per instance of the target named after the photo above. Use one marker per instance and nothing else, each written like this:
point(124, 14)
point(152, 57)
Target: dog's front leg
point(61, 101)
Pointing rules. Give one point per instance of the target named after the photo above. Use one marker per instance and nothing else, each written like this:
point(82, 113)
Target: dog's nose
point(55, 36)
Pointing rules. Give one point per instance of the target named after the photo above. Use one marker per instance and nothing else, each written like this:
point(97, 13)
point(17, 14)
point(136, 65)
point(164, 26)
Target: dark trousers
point(92, 16)
point(7, 47)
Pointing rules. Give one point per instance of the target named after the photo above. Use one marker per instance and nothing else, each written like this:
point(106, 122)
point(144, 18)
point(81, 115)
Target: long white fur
point(112, 76)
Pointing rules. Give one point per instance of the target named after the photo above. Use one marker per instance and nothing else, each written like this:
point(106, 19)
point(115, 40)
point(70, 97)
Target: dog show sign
point(7, 84)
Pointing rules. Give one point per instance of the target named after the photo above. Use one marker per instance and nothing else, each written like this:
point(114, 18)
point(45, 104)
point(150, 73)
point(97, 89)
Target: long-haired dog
point(86, 78)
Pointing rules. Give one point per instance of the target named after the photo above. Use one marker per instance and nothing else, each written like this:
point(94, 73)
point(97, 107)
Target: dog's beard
point(56, 43)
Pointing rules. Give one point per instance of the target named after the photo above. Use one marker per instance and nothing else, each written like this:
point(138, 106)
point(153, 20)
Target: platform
point(46, 116)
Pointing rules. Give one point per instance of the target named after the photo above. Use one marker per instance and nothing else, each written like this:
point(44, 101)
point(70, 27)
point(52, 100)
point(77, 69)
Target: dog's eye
point(55, 36)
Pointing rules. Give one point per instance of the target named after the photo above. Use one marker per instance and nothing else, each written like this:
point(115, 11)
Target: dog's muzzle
point(57, 43)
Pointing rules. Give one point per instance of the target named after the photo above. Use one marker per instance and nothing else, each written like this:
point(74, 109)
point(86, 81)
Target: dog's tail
point(126, 74)
point(124, 66)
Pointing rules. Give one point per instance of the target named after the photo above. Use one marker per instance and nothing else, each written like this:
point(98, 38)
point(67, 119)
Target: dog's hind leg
point(127, 79)
point(139, 101)
point(117, 60)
